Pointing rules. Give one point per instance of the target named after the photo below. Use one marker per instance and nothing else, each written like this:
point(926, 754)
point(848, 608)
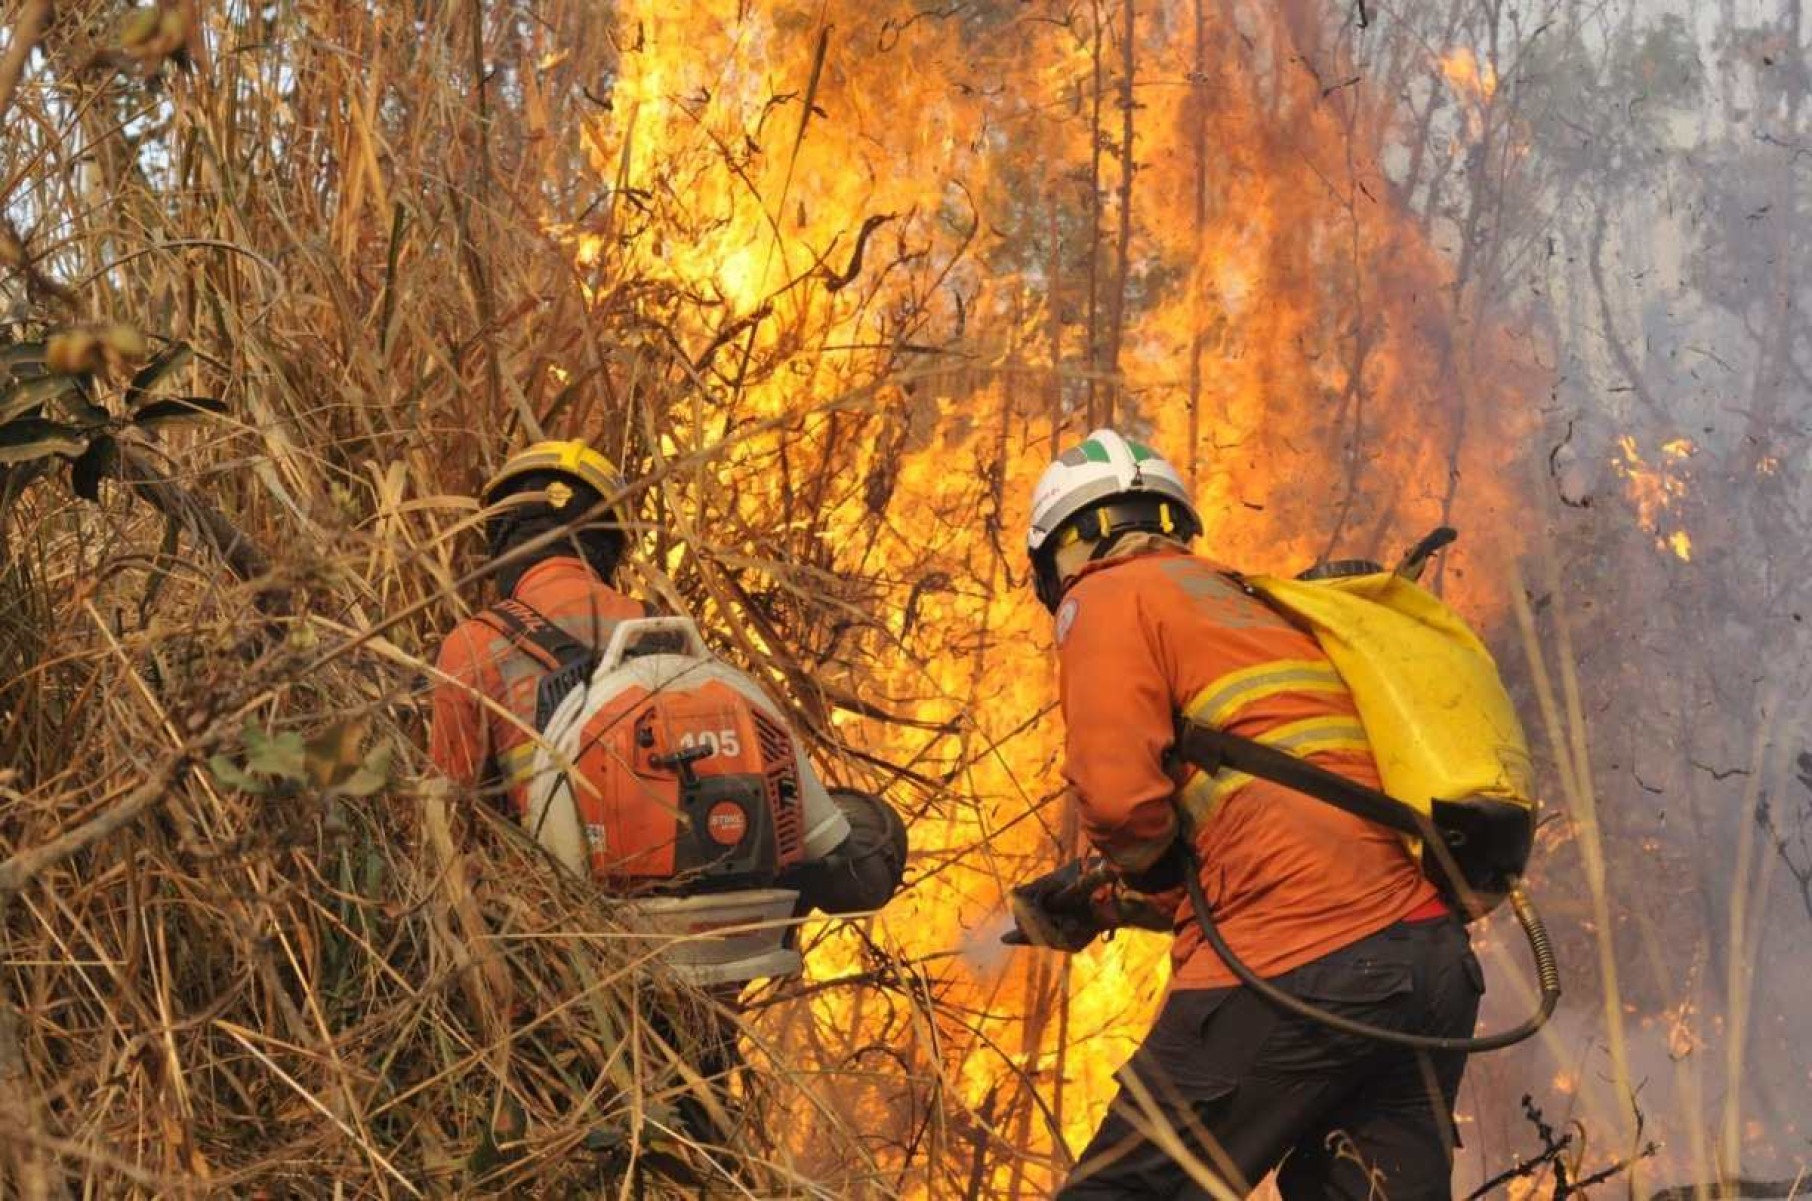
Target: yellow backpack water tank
point(1448, 745)
point(1440, 723)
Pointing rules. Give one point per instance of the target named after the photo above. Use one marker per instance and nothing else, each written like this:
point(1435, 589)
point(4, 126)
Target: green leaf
point(656, 1114)
point(31, 438)
point(24, 397)
point(100, 460)
point(501, 1138)
point(179, 409)
point(369, 776)
point(168, 360)
point(372, 873)
point(606, 1138)
point(230, 775)
point(333, 753)
point(284, 755)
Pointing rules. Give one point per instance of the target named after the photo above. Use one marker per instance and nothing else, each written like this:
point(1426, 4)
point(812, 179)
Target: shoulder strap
point(1211, 750)
point(533, 634)
point(567, 661)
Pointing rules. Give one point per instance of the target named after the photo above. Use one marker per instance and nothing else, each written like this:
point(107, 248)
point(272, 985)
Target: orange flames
point(1472, 79)
point(1474, 83)
point(1656, 490)
point(823, 184)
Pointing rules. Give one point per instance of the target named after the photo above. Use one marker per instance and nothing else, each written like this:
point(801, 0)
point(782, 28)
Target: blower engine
point(671, 777)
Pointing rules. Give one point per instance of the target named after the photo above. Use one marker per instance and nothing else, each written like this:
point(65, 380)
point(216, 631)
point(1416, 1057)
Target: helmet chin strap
point(1110, 522)
point(1103, 545)
point(1054, 581)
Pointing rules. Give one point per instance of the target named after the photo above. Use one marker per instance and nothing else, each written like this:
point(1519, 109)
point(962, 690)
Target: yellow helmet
point(573, 459)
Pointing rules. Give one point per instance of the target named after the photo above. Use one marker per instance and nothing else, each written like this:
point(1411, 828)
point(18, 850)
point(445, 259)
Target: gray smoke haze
point(1633, 186)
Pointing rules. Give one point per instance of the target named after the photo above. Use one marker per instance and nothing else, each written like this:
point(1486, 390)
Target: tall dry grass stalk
point(348, 214)
point(367, 221)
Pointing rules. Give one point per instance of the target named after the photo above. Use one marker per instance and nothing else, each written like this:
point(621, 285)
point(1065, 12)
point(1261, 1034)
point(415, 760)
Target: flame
point(1657, 490)
point(1682, 1040)
point(1301, 363)
point(1471, 79)
point(1474, 84)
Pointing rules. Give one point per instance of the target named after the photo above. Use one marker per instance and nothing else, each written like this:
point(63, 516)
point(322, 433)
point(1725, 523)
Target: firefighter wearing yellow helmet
point(638, 759)
point(556, 526)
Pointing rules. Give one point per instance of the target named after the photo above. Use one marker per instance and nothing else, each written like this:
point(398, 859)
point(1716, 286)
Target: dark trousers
point(1242, 1086)
point(705, 1035)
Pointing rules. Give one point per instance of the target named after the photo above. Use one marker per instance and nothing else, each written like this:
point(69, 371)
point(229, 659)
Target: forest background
point(833, 280)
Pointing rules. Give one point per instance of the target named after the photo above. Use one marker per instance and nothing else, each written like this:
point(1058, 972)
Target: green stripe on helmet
point(1094, 452)
point(1141, 451)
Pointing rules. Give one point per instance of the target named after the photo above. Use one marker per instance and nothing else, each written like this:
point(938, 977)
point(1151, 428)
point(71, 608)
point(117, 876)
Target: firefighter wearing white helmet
point(1320, 902)
point(1096, 492)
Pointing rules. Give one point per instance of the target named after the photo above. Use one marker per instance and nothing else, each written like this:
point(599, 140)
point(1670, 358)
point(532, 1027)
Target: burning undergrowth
point(834, 280)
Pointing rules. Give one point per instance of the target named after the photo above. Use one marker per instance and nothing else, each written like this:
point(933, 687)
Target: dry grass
point(206, 988)
point(257, 992)
point(365, 221)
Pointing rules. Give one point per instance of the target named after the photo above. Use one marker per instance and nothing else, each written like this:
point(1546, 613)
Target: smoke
point(981, 950)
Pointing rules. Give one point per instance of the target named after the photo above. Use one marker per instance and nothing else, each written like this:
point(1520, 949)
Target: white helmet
point(1103, 488)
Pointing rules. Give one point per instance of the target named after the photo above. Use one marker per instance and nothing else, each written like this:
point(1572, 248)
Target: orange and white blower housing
point(673, 779)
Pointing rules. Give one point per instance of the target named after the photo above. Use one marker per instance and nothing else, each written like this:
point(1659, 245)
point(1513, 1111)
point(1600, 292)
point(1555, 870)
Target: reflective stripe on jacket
point(1290, 878)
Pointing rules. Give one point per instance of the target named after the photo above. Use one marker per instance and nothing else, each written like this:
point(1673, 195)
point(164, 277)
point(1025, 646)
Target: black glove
point(1166, 872)
point(1057, 909)
point(1066, 909)
point(1149, 899)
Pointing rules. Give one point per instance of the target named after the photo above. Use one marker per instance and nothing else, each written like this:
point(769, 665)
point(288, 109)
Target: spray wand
point(1065, 901)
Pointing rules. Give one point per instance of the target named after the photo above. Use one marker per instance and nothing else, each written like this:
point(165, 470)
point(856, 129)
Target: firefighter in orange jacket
point(1318, 902)
point(556, 534)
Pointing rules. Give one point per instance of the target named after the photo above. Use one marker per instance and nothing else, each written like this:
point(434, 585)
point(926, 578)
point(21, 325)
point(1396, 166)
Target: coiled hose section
point(1547, 975)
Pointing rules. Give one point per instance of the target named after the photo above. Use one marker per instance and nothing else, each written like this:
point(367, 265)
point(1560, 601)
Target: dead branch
point(838, 281)
point(27, 29)
point(235, 548)
point(1736, 1187)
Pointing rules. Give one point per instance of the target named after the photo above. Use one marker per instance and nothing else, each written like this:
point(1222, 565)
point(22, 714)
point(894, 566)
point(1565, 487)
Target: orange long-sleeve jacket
point(484, 701)
point(1290, 878)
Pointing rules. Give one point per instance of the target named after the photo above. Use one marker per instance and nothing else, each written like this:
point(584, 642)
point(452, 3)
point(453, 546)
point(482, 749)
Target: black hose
point(1546, 971)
